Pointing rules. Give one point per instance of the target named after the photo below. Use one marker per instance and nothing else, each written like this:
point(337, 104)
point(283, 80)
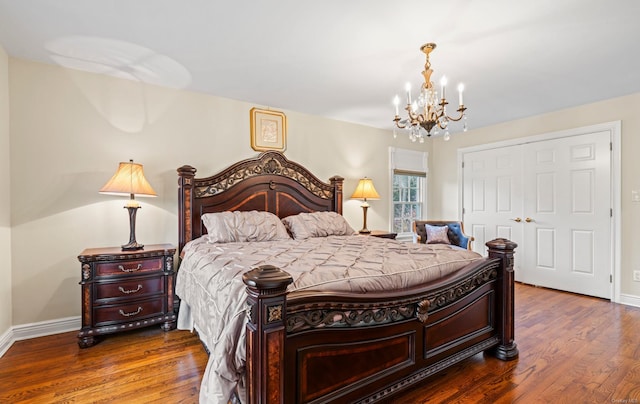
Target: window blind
point(408, 162)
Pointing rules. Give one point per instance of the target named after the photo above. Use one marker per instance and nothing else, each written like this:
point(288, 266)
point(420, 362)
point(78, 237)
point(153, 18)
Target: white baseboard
point(6, 340)
point(34, 330)
point(50, 327)
point(630, 300)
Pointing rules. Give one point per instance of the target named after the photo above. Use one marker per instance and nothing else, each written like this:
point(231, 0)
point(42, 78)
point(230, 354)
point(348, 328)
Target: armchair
point(455, 232)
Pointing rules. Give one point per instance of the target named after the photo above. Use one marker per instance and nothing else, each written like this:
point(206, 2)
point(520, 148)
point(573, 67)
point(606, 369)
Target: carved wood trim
point(337, 315)
point(462, 288)
point(268, 163)
point(86, 272)
point(320, 318)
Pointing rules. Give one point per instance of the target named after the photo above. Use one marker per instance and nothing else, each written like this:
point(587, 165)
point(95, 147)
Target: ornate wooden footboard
point(316, 347)
point(313, 348)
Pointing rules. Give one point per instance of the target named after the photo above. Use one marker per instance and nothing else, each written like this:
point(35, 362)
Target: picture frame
point(268, 130)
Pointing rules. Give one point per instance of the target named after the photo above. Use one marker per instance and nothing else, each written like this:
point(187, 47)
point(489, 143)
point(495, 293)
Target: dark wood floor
point(573, 349)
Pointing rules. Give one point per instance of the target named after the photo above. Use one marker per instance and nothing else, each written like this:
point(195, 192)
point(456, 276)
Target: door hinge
point(463, 164)
point(611, 212)
point(610, 278)
point(610, 146)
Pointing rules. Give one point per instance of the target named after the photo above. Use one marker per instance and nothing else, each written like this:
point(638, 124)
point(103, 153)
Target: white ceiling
point(345, 59)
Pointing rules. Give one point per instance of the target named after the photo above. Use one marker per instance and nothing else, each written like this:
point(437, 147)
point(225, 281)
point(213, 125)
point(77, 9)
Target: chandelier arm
point(414, 118)
point(461, 111)
point(398, 124)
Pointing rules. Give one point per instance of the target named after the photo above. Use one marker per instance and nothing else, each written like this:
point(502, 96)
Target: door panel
point(545, 249)
point(583, 241)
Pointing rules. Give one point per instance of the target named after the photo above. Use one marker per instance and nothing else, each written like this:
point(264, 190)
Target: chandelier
point(428, 114)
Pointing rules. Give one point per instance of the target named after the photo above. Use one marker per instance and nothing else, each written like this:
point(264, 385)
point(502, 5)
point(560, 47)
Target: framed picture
point(268, 130)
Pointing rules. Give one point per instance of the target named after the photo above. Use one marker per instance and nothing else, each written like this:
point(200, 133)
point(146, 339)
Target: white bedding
point(213, 295)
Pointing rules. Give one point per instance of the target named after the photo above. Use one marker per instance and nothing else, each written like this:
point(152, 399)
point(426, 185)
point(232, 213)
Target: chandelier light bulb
point(443, 85)
point(396, 103)
point(460, 90)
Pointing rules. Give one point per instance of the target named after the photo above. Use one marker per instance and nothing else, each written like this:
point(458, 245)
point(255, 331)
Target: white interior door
point(553, 198)
point(492, 198)
point(567, 227)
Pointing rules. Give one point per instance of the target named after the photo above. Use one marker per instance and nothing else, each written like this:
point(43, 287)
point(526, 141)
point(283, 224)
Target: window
point(407, 201)
point(408, 172)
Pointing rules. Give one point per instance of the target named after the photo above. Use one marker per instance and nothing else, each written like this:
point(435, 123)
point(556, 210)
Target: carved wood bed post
point(186, 175)
point(503, 249)
point(266, 290)
point(336, 183)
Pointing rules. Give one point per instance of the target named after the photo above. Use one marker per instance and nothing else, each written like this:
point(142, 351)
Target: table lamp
point(365, 190)
point(129, 179)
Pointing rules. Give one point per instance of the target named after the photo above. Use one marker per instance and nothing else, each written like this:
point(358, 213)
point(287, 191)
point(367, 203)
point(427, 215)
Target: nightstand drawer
point(131, 288)
point(129, 267)
point(125, 313)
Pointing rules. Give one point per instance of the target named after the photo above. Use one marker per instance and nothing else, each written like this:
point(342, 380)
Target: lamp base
point(132, 245)
point(364, 230)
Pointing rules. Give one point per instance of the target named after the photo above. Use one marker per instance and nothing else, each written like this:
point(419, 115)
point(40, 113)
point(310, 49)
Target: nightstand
point(383, 234)
point(123, 290)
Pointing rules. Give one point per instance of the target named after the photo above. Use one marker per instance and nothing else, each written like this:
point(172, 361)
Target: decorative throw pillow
point(437, 234)
point(228, 227)
point(317, 224)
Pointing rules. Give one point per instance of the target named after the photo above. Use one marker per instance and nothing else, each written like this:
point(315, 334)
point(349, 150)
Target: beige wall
point(444, 169)
point(5, 211)
point(69, 130)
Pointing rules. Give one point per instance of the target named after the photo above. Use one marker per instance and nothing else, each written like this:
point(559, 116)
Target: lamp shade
point(129, 179)
point(365, 190)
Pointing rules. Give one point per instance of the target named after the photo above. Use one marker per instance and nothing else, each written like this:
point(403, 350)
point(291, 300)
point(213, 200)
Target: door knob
point(517, 220)
point(528, 220)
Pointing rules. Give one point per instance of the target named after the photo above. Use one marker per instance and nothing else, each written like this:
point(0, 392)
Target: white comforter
point(213, 295)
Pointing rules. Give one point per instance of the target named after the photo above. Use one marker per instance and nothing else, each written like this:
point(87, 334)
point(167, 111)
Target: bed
point(316, 345)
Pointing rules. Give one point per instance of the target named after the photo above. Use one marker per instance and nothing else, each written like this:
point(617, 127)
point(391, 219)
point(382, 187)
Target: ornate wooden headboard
point(268, 182)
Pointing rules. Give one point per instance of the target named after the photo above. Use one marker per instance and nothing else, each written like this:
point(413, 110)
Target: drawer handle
point(123, 269)
point(125, 291)
point(133, 313)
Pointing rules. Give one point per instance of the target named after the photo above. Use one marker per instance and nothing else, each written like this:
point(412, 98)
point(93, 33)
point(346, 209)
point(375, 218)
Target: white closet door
point(553, 198)
point(492, 199)
point(567, 198)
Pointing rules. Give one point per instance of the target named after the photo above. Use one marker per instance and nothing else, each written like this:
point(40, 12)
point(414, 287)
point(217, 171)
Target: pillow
point(437, 234)
point(317, 224)
point(227, 227)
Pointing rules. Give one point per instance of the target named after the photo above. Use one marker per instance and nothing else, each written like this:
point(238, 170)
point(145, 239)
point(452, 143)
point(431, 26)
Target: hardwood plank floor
point(573, 349)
